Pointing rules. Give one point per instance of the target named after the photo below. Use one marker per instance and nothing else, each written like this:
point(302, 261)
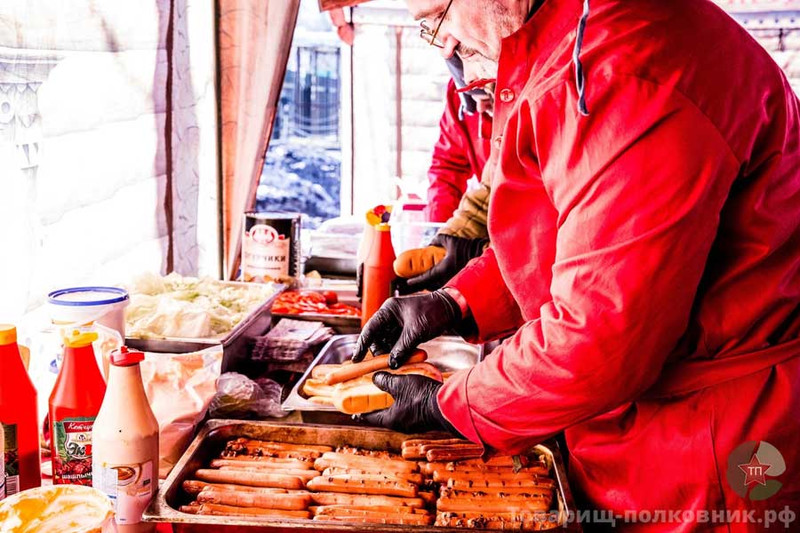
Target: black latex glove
point(460, 251)
point(415, 409)
point(401, 324)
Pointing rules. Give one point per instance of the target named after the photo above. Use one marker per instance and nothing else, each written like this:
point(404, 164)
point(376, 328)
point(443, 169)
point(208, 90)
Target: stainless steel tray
point(213, 436)
point(235, 344)
point(445, 353)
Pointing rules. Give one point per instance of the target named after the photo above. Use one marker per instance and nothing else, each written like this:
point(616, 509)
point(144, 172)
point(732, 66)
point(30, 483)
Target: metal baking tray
point(340, 324)
point(213, 436)
point(448, 354)
point(235, 344)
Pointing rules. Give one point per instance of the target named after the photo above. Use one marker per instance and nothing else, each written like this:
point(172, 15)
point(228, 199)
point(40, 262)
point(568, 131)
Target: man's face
point(473, 29)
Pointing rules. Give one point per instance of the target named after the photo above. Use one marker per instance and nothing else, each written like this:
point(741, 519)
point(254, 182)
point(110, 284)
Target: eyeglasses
point(430, 36)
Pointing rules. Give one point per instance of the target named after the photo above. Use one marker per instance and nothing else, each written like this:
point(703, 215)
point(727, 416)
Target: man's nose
point(450, 44)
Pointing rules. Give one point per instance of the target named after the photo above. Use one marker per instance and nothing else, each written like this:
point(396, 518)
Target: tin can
point(270, 246)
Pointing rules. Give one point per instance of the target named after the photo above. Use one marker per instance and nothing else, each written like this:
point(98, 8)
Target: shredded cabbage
point(186, 307)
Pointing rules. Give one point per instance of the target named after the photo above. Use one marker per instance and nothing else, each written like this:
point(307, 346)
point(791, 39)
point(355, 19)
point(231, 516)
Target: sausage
point(434, 454)
point(492, 505)
point(193, 487)
point(428, 497)
point(262, 465)
point(332, 459)
point(480, 484)
point(356, 509)
point(502, 521)
point(320, 371)
point(380, 454)
point(477, 475)
point(340, 498)
point(492, 495)
point(227, 510)
point(264, 500)
point(305, 475)
point(364, 484)
point(366, 366)
point(283, 446)
point(423, 442)
point(498, 460)
point(270, 462)
point(380, 518)
point(399, 476)
point(251, 479)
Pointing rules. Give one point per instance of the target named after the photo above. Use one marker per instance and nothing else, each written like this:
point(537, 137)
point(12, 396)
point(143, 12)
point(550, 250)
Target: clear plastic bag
point(240, 397)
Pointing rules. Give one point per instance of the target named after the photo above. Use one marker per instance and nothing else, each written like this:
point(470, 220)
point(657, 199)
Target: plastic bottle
point(378, 272)
point(125, 439)
point(18, 417)
point(74, 404)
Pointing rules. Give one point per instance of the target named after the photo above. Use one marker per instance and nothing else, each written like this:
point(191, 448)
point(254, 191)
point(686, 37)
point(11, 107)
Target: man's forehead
point(425, 9)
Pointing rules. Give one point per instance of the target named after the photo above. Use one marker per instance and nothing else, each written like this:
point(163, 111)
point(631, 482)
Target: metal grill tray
point(448, 354)
point(213, 436)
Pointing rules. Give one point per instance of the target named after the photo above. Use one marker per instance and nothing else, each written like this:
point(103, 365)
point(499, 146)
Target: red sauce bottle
point(74, 404)
point(18, 416)
point(378, 272)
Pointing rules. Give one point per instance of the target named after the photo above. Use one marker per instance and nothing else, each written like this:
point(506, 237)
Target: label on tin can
point(265, 253)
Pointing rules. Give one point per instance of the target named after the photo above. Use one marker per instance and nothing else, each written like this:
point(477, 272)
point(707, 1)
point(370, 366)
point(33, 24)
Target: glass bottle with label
point(18, 417)
point(74, 404)
point(125, 439)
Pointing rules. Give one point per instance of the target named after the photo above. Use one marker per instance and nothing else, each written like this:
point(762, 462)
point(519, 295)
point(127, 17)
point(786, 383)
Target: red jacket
point(647, 256)
point(459, 154)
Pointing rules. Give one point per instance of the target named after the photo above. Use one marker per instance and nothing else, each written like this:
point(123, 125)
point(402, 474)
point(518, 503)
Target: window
point(303, 167)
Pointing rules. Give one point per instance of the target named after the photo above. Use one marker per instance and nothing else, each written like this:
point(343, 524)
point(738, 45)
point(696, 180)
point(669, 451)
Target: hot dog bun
point(415, 262)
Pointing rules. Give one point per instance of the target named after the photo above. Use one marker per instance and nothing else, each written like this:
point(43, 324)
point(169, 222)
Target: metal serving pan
point(213, 436)
point(235, 344)
point(446, 353)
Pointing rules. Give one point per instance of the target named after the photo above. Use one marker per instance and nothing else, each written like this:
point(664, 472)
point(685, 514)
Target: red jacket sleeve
point(450, 166)
point(638, 186)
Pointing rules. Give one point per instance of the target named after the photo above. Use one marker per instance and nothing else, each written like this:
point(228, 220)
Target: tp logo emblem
point(750, 469)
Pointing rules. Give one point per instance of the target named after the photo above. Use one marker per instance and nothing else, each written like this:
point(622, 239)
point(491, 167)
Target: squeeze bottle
point(125, 439)
point(18, 417)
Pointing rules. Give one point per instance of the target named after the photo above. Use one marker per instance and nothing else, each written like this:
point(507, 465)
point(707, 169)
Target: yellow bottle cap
point(80, 339)
point(8, 334)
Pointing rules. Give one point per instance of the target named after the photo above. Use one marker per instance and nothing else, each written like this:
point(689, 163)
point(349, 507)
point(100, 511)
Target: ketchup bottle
point(74, 404)
point(378, 272)
point(18, 416)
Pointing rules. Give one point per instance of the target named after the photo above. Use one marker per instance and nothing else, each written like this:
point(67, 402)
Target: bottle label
point(72, 460)
point(130, 488)
point(9, 466)
point(265, 253)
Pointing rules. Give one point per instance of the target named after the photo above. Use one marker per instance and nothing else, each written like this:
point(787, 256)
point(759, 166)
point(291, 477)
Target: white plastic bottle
point(125, 440)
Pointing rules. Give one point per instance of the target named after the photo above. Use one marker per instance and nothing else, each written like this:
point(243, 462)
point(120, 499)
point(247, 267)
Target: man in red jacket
point(459, 154)
point(645, 228)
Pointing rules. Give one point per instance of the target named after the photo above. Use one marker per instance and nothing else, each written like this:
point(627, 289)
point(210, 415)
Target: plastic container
point(125, 443)
point(74, 404)
point(378, 272)
point(80, 306)
point(18, 417)
point(61, 509)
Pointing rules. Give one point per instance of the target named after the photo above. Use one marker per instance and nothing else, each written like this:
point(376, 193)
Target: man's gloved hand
point(415, 408)
point(401, 324)
point(460, 251)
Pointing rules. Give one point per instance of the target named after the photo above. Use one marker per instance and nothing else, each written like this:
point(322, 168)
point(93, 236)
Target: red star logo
point(755, 471)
